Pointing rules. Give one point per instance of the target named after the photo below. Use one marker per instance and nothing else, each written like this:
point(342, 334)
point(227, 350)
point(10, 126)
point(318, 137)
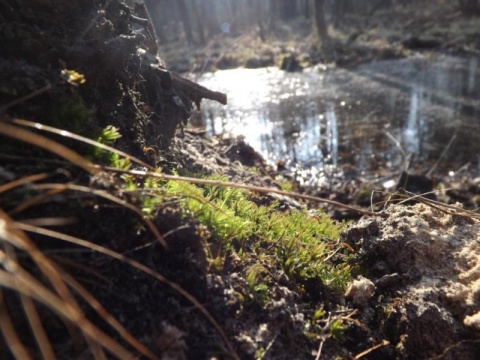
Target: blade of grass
point(80, 138)
point(12, 235)
point(258, 189)
point(108, 196)
point(32, 315)
point(445, 208)
point(24, 284)
point(25, 98)
point(137, 265)
point(9, 333)
point(47, 144)
point(114, 323)
point(51, 221)
point(35, 201)
point(15, 236)
point(22, 181)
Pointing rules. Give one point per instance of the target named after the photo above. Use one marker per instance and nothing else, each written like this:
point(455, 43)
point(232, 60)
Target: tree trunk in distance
point(287, 9)
point(209, 16)
point(470, 7)
point(198, 21)
point(273, 15)
point(321, 23)
point(187, 24)
point(306, 9)
point(256, 9)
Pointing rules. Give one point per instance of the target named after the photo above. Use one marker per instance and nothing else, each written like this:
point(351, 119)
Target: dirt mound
point(424, 263)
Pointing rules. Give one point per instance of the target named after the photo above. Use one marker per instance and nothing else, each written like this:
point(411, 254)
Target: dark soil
point(127, 89)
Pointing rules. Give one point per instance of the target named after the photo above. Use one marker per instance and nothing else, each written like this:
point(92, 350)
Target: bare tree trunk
point(306, 9)
point(256, 11)
point(338, 11)
point(287, 9)
point(209, 16)
point(470, 7)
point(274, 10)
point(261, 26)
point(198, 21)
point(186, 22)
point(321, 26)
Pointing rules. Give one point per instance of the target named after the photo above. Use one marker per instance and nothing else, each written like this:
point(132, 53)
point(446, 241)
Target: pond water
point(369, 118)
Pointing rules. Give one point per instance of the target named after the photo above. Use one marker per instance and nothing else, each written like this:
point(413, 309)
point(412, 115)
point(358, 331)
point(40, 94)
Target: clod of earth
point(425, 264)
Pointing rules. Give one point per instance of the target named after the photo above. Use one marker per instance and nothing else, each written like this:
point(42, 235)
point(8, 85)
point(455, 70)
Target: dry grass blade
point(10, 335)
point(108, 196)
point(25, 98)
point(373, 348)
point(80, 138)
point(136, 265)
point(446, 208)
point(47, 144)
point(50, 221)
point(28, 286)
point(37, 327)
point(258, 189)
point(114, 323)
point(32, 316)
point(96, 350)
point(11, 234)
point(35, 201)
point(22, 181)
point(63, 303)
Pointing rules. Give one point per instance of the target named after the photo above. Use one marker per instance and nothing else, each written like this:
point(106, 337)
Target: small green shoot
point(108, 136)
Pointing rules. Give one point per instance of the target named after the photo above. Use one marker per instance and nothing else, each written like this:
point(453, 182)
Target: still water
point(369, 118)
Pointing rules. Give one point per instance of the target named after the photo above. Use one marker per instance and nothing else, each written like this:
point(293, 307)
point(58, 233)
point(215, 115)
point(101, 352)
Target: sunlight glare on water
point(369, 118)
point(252, 93)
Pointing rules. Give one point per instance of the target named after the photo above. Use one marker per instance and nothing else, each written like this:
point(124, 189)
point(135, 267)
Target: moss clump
point(72, 114)
point(292, 242)
point(107, 136)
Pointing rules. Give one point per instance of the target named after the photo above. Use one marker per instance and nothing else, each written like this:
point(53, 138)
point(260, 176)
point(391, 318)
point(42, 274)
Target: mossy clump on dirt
point(291, 241)
point(221, 265)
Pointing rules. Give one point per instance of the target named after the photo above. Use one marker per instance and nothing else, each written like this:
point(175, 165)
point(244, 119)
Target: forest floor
point(193, 267)
point(396, 32)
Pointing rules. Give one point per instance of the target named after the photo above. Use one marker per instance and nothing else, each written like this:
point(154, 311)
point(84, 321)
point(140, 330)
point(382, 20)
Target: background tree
point(287, 9)
point(274, 10)
point(470, 7)
point(186, 20)
point(198, 21)
point(321, 26)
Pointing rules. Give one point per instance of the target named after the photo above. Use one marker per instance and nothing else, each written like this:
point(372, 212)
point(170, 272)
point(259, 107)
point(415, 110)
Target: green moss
point(292, 242)
point(107, 136)
point(72, 114)
point(263, 242)
point(285, 184)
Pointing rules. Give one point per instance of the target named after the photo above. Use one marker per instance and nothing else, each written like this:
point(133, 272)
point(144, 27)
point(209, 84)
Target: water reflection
point(370, 118)
point(410, 133)
point(331, 138)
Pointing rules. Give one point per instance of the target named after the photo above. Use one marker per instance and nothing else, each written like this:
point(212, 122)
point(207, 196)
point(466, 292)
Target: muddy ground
point(418, 294)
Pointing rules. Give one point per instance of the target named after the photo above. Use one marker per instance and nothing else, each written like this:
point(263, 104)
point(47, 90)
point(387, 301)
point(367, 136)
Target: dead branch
point(196, 92)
